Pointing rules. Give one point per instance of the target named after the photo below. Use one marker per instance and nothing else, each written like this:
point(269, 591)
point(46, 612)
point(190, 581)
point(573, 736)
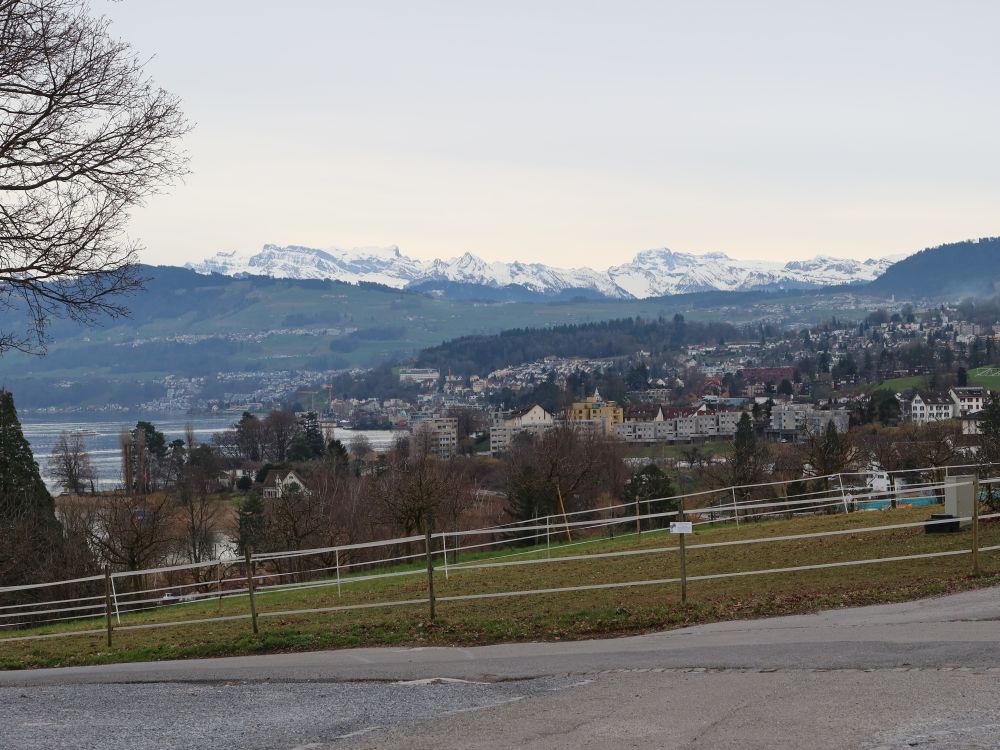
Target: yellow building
point(603, 415)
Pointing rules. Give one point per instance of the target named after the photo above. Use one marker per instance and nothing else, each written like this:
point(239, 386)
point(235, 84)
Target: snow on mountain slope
point(383, 265)
point(468, 269)
point(651, 273)
point(657, 272)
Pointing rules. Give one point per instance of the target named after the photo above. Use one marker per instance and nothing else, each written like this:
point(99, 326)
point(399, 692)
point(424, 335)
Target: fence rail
point(258, 577)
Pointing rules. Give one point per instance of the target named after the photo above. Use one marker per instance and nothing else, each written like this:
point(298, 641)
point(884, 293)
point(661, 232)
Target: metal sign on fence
point(681, 527)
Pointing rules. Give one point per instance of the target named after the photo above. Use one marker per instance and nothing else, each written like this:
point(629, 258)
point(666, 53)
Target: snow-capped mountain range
point(651, 273)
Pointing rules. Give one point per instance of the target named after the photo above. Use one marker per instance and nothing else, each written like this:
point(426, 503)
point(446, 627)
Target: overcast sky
point(575, 133)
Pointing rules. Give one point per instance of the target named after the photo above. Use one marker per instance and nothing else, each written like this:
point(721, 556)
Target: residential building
point(418, 375)
point(930, 407)
point(773, 375)
point(818, 420)
point(602, 415)
point(279, 482)
point(793, 421)
point(644, 412)
point(972, 423)
point(505, 425)
point(442, 434)
point(680, 425)
point(968, 399)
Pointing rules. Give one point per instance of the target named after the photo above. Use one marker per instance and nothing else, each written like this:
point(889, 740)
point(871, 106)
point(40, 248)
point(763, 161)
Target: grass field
point(555, 616)
point(901, 384)
point(662, 450)
point(988, 377)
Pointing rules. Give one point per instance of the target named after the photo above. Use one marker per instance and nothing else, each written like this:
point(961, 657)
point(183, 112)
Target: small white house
point(279, 481)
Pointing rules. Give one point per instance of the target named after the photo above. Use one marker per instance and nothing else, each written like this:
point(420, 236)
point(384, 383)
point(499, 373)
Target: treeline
point(969, 268)
point(470, 355)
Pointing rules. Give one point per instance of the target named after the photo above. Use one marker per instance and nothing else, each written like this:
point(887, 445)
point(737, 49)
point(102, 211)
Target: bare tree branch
point(84, 137)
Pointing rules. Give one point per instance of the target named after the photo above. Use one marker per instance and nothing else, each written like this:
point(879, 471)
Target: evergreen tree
point(308, 443)
point(22, 492)
point(155, 441)
point(32, 544)
point(746, 461)
point(338, 456)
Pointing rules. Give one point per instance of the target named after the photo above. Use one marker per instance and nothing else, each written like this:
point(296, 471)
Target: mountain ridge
point(651, 273)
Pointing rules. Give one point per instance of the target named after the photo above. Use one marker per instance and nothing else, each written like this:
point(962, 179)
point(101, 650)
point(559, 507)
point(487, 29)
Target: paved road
point(906, 675)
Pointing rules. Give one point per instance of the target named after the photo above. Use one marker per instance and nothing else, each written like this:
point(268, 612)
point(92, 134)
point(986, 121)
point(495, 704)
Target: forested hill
point(960, 269)
point(482, 354)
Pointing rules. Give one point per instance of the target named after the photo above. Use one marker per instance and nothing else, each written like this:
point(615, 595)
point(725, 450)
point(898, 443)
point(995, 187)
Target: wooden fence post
point(250, 589)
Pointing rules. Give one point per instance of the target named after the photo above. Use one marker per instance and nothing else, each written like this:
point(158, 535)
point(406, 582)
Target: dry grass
point(556, 616)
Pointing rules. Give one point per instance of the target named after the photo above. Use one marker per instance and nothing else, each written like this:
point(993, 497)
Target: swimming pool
point(900, 502)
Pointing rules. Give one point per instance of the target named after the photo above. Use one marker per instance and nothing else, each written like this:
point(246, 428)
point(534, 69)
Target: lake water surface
point(100, 436)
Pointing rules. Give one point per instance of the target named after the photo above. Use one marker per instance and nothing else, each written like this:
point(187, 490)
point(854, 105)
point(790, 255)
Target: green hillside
point(953, 271)
point(190, 325)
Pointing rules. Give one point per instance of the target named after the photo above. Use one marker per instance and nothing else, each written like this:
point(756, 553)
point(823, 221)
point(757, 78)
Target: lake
point(100, 436)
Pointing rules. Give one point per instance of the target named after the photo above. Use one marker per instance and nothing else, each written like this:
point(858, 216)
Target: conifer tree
point(308, 443)
point(22, 492)
point(746, 461)
point(32, 544)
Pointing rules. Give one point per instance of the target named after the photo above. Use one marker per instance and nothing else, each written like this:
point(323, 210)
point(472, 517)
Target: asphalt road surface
point(921, 674)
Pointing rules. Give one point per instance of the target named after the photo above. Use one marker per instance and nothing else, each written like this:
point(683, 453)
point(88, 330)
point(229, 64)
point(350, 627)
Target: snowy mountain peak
point(651, 273)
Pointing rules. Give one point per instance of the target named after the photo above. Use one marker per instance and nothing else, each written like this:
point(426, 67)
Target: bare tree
point(361, 452)
point(199, 505)
point(131, 532)
point(562, 471)
point(415, 484)
point(360, 446)
point(70, 463)
point(828, 452)
point(84, 137)
point(280, 429)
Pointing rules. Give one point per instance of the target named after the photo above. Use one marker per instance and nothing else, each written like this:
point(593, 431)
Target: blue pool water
point(883, 504)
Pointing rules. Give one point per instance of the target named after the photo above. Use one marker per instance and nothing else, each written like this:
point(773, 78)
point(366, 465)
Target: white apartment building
point(696, 425)
point(442, 434)
point(968, 399)
point(418, 375)
point(505, 425)
point(789, 417)
point(928, 407)
point(818, 419)
point(806, 419)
